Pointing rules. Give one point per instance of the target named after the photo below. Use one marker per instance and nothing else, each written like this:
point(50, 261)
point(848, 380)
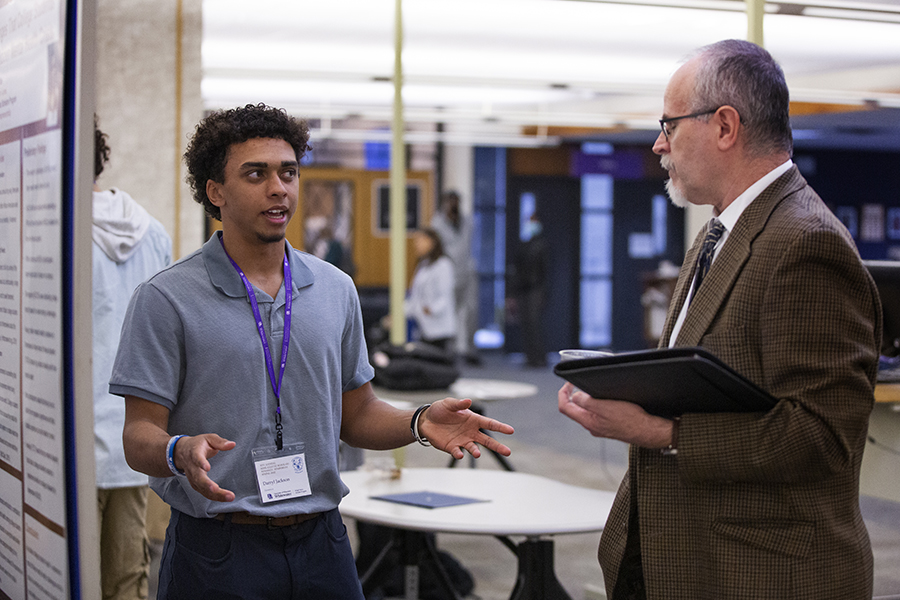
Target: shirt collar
point(733, 212)
point(223, 276)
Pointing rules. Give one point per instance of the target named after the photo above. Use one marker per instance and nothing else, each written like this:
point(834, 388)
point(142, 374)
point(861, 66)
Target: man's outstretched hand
point(450, 426)
point(192, 456)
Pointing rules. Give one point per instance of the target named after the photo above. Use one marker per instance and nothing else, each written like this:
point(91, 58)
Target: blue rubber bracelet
point(170, 455)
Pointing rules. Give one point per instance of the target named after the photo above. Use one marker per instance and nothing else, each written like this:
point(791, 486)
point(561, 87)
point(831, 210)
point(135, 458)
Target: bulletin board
point(37, 528)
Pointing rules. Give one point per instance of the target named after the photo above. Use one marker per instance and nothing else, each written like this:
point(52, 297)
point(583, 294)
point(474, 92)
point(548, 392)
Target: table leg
point(414, 547)
point(502, 460)
point(439, 566)
point(415, 544)
point(410, 563)
point(365, 577)
point(536, 579)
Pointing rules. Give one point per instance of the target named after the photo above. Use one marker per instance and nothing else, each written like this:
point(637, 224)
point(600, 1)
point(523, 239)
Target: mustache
point(666, 162)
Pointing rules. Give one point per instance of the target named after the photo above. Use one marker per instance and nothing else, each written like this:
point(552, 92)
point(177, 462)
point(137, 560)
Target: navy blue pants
point(208, 558)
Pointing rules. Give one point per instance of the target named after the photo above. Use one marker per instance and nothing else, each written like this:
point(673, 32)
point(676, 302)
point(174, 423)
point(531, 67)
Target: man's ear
point(214, 193)
point(728, 121)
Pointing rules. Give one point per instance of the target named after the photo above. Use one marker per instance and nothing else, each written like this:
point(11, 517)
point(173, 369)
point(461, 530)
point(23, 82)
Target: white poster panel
point(33, 525)
point(46, 558)
point(42, 363)
point(29, 32)
point(10, 296)
point(12, 519)
point(27, 103)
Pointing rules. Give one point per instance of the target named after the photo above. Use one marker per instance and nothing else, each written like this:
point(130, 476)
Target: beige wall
point(136, 100)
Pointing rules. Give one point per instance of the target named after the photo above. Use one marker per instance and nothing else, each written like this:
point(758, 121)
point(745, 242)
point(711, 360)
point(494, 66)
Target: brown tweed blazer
point(766, 505)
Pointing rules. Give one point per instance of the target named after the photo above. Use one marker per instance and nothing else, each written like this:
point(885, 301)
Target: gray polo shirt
point(190, 343)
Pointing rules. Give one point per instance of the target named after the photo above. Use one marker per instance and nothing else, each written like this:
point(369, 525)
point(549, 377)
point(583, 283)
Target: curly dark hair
point(101, 149)
point(207, 152)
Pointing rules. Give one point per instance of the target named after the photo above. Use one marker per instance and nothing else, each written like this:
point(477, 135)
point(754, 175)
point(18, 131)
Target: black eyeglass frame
point(667, 120)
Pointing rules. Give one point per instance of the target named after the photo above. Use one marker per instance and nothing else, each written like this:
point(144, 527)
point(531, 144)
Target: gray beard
point(675, 195)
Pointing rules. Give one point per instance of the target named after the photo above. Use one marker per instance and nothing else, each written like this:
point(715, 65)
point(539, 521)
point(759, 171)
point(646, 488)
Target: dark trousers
point(208, 558)
point(531, 307)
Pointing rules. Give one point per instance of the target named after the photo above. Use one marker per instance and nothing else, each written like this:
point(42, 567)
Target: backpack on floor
point(413, 366)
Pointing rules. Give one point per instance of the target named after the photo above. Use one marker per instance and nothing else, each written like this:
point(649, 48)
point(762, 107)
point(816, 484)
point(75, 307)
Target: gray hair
point(744, 76)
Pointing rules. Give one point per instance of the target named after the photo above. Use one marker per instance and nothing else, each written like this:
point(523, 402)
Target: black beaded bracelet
point(414, 425)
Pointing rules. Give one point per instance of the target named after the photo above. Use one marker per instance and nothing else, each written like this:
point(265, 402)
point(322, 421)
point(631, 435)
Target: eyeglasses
point(664, 123)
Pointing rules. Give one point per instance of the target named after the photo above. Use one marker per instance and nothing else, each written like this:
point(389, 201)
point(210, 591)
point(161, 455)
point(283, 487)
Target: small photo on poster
point(893, 223)
point(872, 226)
point(848, 216)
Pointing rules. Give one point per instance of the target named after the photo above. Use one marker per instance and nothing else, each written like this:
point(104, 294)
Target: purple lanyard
point(288, 296)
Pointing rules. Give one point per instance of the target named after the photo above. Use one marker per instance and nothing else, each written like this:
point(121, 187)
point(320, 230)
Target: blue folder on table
point(426, 499)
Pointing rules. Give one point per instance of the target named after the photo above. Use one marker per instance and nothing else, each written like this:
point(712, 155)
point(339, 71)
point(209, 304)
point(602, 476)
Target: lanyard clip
point(279, 440)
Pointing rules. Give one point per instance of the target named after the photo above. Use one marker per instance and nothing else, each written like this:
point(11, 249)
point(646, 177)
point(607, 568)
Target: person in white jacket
point(455, 230)
point(129, 246)
point(431, 296)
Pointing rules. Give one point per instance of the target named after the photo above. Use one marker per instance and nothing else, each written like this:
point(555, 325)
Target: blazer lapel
point(728, 263)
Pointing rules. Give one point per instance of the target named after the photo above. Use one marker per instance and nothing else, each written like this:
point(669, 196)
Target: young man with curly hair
point(243, 366)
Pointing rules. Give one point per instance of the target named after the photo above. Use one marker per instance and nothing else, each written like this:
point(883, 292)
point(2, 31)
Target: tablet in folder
point(667, 382)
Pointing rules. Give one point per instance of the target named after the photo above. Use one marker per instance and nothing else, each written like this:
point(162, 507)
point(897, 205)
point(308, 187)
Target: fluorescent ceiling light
point(538, 62)
point(240, 91)
point(834, 13)
point(265, 54)
point(816, 44)
point(468, 138)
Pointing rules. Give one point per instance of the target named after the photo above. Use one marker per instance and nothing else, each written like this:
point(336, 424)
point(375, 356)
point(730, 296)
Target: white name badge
point(281, 475)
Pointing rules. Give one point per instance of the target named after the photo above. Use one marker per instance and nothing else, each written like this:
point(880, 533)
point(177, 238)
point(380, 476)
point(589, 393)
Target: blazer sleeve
point(814, 339)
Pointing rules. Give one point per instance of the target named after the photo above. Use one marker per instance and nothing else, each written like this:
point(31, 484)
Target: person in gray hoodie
point(129, 246)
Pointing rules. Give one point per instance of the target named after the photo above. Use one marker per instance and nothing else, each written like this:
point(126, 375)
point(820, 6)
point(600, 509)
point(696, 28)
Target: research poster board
point(33, 484)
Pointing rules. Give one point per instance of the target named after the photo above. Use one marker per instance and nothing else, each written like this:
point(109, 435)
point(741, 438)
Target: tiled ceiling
point(522, 72)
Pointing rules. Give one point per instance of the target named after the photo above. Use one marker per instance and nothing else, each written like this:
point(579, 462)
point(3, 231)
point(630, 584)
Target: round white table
point(491, 389)
point(511, 503)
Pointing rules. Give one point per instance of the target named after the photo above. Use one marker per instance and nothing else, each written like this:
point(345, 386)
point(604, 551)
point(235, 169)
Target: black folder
point(667, 382)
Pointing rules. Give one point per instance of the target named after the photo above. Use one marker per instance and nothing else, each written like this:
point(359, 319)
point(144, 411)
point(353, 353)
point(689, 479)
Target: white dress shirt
point(729, 219)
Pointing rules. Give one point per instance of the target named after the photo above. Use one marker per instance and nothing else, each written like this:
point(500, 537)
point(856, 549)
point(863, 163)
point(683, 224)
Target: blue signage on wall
point(621, 164)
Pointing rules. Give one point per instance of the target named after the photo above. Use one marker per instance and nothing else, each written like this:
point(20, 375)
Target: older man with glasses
point(763, 504)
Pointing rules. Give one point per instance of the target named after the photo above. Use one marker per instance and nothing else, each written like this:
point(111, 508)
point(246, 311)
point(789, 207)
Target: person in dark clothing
point(530, 290)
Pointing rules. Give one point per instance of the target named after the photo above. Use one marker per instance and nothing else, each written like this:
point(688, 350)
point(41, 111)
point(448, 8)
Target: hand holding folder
point(667, 382)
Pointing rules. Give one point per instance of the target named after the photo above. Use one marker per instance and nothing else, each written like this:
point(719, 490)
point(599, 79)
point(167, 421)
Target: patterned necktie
point(704, 261)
